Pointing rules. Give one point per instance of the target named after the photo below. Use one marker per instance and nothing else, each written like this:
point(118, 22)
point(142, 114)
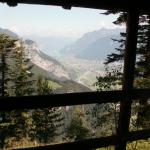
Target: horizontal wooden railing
point(54, 100)
point(125, 97)
point(89, 144)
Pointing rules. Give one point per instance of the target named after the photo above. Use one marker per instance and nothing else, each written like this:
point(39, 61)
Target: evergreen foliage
point(77, 129)
point(16, 80)
point(111, 80)
point(47, 121)
point(43, 87)
point(142, 70)
point(22, 84)
point(106, 115)
point(7, 45)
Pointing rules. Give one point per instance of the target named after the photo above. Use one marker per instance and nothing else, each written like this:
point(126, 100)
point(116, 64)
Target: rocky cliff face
point(45, 62)
point(40, 59)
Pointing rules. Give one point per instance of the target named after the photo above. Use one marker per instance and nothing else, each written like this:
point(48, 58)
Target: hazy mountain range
point(85, 57)
point(48, 67)
point(51, 45)
point(81, 60)
point(93, 45)
point(51, 69)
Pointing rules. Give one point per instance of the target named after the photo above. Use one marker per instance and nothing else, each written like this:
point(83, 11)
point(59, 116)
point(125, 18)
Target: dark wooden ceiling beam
point(120, 5)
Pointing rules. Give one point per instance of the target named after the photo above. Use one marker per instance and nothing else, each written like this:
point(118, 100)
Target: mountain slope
point(47, 63)
point(48, 67)
point(51, 69)
point(93, 45)
point(10, 33)
point(65, 86)
point(100, 48)
point(51, 45)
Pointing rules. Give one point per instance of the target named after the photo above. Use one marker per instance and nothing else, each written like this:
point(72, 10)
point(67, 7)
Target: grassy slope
point(60, 86)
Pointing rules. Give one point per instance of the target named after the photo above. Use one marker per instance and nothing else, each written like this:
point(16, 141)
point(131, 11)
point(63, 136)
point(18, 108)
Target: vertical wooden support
point(3, 73)
point(129, 66)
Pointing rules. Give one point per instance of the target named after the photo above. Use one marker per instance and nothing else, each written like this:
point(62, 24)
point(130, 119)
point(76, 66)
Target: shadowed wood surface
point(121, 5)
point(125, 96)
point(30, 102)
point(94, 143)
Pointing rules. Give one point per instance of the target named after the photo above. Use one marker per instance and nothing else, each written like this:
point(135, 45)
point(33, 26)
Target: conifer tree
point(142, 69)
point(21, 85)
point(17, 82)
point(7, 44)
point(77, 128)
point(105, 116)
point(21, 75)
point(118, 56)
point(43, 87)
point(47, 121)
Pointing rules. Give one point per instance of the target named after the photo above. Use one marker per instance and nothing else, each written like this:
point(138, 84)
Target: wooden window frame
point(124, 96)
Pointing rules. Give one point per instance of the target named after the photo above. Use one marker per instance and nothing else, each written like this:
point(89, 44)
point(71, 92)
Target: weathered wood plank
point(30, 102)
point(128, 77)
point(93, 143)
point(122, 5)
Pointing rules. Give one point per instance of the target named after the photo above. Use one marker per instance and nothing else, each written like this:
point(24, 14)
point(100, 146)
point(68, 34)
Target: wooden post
point(128, 79)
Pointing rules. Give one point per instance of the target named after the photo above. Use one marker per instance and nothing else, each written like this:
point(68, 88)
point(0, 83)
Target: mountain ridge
point(44, 61)
point(97, 42)
point(48, 67)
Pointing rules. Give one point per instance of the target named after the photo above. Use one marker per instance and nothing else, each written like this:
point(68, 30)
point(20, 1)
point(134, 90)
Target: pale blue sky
point(52, 21)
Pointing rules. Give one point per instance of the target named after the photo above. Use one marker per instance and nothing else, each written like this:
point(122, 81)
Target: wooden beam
point(87, 144)
point(120, 5)
point(29, 102)
point(138, 135)
point(129, 67)
point(93, 143)
point(56, 100)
